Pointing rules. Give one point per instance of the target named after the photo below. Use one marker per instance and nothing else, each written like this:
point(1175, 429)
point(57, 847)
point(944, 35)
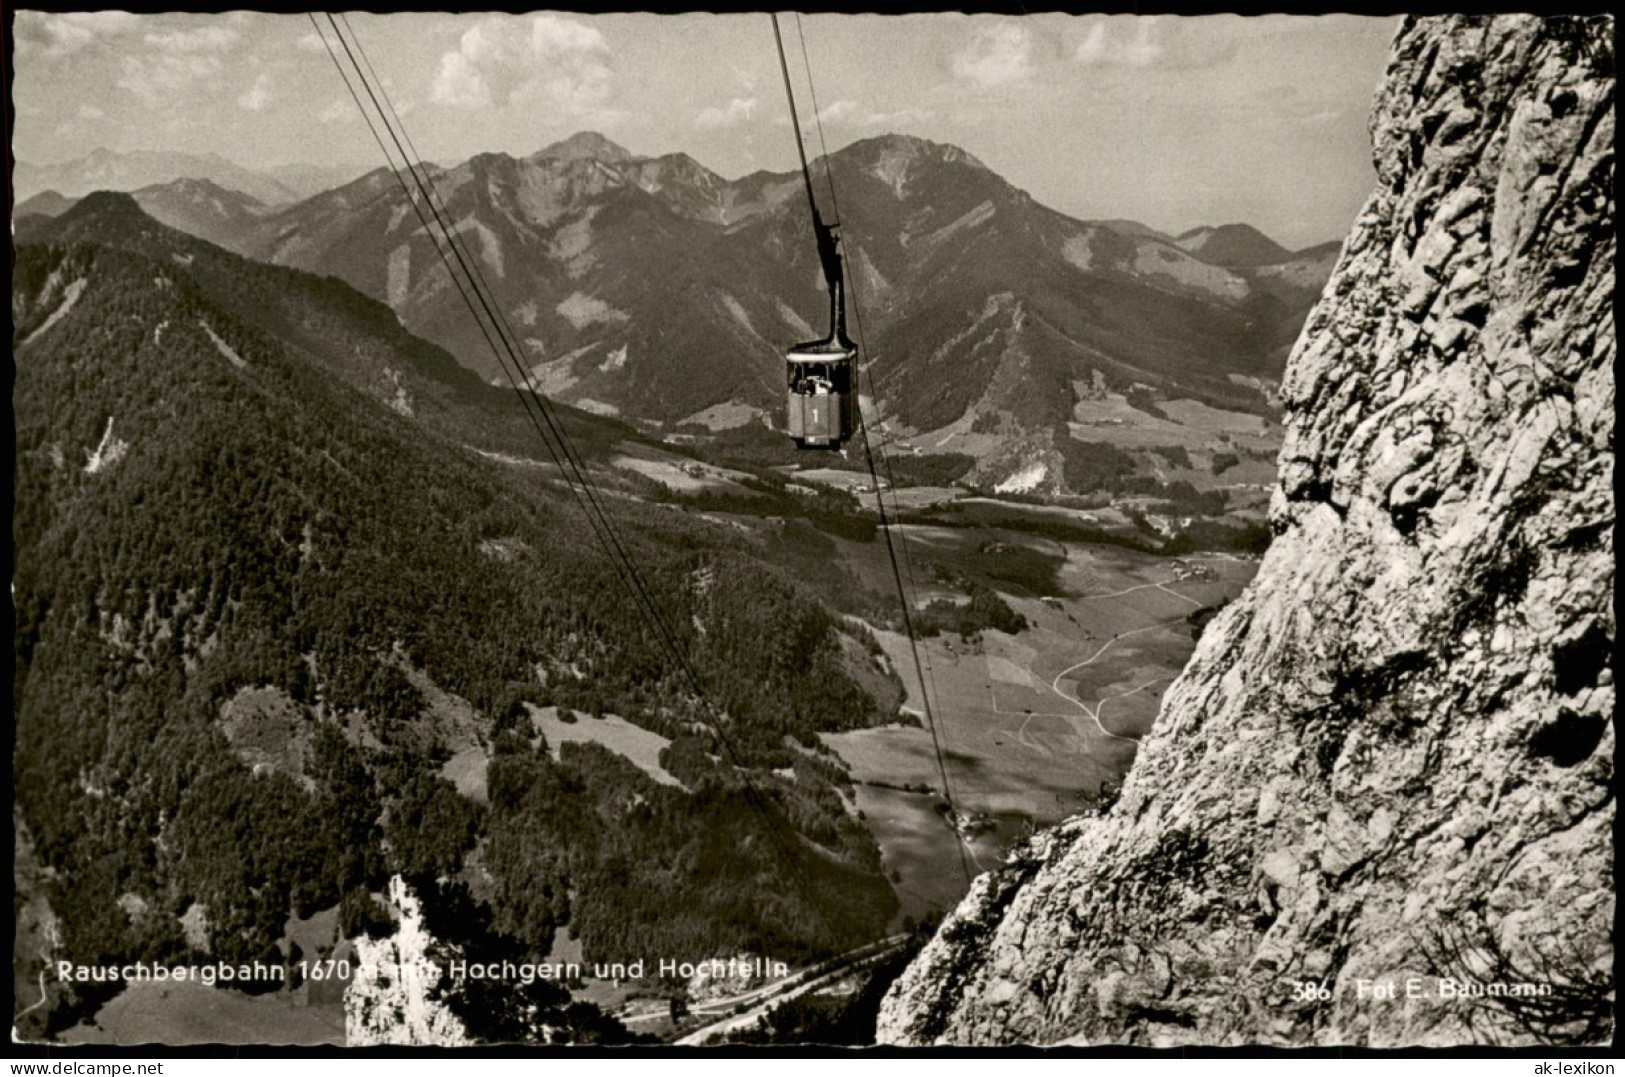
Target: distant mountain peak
point(105, 169)
point(48, 203)
point(101, 217)
point(104, 204)
point(1236, 228)
point(1233, 246)
point(682, 159)
point(915, 146)
point(1125, 227)
point(585, 144)
point(194, 186)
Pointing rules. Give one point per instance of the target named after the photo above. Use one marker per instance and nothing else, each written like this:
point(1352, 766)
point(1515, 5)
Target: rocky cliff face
point(1383, 786)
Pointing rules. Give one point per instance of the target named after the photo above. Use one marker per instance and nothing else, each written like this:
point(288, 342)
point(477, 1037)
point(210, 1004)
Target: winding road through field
point(1094, 714)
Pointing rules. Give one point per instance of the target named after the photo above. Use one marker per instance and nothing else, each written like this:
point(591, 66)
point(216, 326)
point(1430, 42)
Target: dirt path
point(43, 996)
point(1094, 715)
point(1176, 594)
point(1101, 705)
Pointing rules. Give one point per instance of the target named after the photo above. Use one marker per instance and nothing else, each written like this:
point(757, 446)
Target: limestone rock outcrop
point(1377, 807)
point(392, 998)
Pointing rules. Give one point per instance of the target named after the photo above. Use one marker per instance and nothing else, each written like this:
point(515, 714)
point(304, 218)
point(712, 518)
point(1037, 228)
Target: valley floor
point(1032, 726)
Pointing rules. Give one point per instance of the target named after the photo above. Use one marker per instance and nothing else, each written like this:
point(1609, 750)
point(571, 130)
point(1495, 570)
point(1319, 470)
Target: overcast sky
point(1171, 121)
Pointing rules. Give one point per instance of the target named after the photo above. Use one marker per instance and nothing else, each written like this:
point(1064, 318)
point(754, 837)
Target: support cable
point(570, 465)
point(921, 668)
point(477, 281)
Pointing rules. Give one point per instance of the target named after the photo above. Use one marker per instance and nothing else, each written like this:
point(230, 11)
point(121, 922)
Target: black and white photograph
point(801, 529)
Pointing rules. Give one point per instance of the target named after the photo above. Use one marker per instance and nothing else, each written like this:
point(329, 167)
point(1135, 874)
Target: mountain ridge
point(588, 144)
point(1233, 245)
point(103, 168)
point(320, 316)
point(653, 290)
point(553, 232)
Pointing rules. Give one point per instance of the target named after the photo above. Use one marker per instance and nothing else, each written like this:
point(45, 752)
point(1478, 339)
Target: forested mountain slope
point(206, 515)
point(330, 325)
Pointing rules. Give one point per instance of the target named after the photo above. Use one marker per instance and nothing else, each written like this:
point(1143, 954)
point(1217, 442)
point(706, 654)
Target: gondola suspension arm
point(822, 403)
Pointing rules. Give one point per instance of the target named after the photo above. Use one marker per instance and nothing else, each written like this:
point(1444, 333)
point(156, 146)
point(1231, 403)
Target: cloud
point(78, 124)
point(156, 77)
point(735, 112)
point(338, 111)
point(153, 67)
point(836, 111)
point(204, 39)
point(1143, 41)
point(257, 96)
point(1315, 119)
point(548, 60)
point(1104, 47)
point(848, 113)
point(999, 55)
point(51, 35)
point(459, 83)
point(311, 42)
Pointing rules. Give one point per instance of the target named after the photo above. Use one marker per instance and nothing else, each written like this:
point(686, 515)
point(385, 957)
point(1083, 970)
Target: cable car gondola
point(822, 409)
point(823, 399)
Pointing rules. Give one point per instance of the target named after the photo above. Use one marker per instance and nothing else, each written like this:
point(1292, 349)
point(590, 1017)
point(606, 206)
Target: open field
point(623, 738)
point(1200, 416)
point(460, 728)
point(991, 512)
point(268, 731)
point(316, 935)
point(911, 498)
point(857, 481)
point(466, 770)
point(469, 764)
point(684, 476)
point(930, 556)
point(918, 846)
point(1190, 424)
point(840, 478)
point(179, 1014)
point(724, 416)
